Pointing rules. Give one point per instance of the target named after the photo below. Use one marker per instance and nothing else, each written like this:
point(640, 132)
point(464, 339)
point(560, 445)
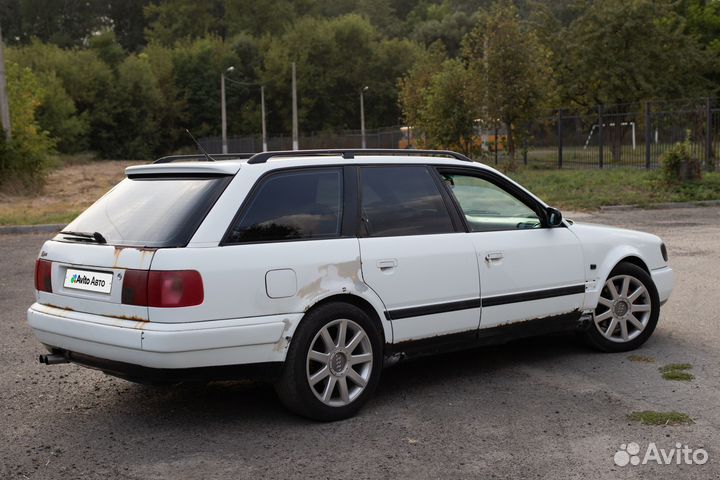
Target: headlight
point(663, 250)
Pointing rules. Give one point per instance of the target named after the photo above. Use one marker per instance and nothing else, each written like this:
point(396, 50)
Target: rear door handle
point(494, 256)
point(387, 264)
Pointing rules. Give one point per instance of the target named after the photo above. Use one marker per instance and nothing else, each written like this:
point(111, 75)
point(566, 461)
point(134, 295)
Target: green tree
point(24, 159)
point(131, 119)
point(172, 20)
point(335, 59)
point(512, 70)
point(621, 51)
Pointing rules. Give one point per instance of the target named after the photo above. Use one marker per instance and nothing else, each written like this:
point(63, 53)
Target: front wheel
point(627, 311)
point(333, 364)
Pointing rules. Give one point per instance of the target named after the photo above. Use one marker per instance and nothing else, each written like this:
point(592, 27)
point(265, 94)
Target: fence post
point(601, 156)
point(560, 139)
point(708, 136)
point(648, 134)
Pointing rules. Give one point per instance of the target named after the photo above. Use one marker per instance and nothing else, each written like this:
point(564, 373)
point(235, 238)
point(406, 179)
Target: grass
point(677, 371)
point(78, 181)
point(649, 417)
point(591, 189)
point(641, 358)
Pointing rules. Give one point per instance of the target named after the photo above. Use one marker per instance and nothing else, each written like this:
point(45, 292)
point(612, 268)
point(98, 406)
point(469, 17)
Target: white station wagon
point(315, 269)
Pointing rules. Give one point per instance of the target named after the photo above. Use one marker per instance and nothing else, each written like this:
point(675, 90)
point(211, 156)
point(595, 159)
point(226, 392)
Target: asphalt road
point(545, 408)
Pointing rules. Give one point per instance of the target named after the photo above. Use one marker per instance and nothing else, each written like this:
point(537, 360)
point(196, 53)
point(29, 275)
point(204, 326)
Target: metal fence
point(609, 136)
point(390, 137)
point(629, 135)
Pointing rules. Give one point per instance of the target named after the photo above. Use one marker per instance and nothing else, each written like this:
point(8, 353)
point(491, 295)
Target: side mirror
point(554, 217)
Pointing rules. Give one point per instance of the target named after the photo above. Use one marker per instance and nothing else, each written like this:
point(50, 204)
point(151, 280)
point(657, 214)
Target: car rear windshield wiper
point(95, 236)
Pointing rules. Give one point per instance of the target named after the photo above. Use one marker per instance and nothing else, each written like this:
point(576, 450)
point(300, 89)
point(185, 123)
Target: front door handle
point(494, 257)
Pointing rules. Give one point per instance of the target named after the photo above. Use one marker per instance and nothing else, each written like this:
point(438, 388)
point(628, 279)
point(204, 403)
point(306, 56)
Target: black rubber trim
point(528, 296)
point(484, 302)
point(432, 309)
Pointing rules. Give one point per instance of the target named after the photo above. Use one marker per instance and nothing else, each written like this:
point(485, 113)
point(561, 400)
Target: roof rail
point(349, 153)
point(201, 157)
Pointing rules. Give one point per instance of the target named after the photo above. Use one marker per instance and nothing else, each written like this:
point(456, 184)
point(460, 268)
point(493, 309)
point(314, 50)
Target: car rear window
point(151, 212)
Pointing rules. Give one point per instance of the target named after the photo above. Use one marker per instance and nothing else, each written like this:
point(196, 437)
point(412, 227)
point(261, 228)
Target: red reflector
point(43, 275)
point(135, 285)
point(182, 288)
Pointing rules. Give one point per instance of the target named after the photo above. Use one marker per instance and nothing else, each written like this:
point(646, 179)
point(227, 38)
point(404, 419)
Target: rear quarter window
point(292, 205)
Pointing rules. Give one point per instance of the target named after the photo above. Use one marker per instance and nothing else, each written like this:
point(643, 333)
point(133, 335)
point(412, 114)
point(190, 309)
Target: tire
point(627, 312)
point(317, 366)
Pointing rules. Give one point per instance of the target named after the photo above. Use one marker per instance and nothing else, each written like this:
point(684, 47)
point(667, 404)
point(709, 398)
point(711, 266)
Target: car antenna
point(210, 159)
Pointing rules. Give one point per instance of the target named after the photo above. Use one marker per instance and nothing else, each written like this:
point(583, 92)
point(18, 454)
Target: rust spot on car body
point(142, 251)
point(58, 306)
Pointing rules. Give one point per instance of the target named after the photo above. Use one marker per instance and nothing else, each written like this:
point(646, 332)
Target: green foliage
point(438, 103)
point(512, 69)
point(132, 123)
point(23, 160)
point(678, 164)
point(621, 51)
point(335, 58)
point(171, 21)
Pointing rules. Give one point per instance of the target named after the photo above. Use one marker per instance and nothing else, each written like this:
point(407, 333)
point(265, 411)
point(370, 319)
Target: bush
point(678, 163)
point(24, 159)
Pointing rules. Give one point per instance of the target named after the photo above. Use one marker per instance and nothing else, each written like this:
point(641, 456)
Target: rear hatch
point(96, 264)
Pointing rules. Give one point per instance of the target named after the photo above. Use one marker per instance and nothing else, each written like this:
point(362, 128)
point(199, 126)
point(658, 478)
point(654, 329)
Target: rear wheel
point(333, 364)
point(627, 311)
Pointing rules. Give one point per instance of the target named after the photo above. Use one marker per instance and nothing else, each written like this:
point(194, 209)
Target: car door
point(415, 254)
point(527, 270)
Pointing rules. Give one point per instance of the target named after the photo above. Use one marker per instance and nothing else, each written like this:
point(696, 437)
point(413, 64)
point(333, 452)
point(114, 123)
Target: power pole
point(262, 114)
point(362, 117)
point(4, 106)
point(296, 145)
point(223, 113)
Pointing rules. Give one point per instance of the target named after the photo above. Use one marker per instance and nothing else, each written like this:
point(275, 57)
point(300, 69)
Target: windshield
point(150, 212)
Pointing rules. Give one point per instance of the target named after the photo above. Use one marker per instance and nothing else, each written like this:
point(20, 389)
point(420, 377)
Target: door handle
point(494, 256)
point(387, 264)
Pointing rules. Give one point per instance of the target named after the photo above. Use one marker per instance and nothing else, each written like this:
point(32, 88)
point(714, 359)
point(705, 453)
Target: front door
point(527, 270)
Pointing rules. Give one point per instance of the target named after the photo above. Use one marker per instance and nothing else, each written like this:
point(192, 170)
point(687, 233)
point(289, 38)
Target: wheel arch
point(612, 259)
point(371, 308)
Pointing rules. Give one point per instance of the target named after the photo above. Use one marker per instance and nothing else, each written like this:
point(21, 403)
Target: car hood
point(595, 230)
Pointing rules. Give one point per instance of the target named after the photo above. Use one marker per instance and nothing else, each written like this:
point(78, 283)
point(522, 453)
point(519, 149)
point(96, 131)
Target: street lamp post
point(362, 117)
point(223, 111)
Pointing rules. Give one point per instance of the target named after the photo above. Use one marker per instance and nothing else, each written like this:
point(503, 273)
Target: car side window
point(488, 207)
point(293, 205)
point(402, 200)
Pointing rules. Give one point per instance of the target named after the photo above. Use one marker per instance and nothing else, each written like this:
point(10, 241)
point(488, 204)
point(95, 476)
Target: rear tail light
point(134, 291)
point(166, 289)
point(43, 275)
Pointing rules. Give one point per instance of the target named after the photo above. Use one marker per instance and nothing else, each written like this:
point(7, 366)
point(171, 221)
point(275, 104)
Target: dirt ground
point(67, 192)
point(542, 408)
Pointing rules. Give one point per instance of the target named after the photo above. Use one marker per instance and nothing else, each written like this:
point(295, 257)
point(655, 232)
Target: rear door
point(119, 234)
point(413, 255)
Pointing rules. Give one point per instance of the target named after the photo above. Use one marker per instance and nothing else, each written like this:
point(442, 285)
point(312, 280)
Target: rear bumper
point(162, 346)
point(664, 280)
